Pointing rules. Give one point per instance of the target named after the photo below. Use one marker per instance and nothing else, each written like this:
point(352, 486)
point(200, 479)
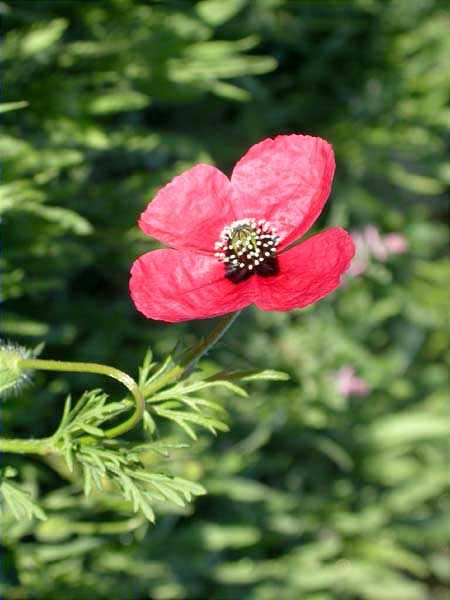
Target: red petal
point(168, 285)
point(285, 180)
point(308, 272)
point(191, 211)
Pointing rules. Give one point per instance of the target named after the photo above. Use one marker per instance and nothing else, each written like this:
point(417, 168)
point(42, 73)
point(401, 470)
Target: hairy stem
point(42, 446)
point(82, 367)
point(190, 357)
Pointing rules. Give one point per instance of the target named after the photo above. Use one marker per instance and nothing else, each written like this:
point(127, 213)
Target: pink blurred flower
point(396, 243)
point(375, 243)
point(370, 243)
point(361, 259)
point(348, 384)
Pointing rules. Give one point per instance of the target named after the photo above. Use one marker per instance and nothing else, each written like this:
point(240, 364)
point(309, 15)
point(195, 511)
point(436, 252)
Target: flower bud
point(12, 375)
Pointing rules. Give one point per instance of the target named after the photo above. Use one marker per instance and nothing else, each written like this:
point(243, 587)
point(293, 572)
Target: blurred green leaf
point(8, 106)
point(216, 12)
point(406, 428)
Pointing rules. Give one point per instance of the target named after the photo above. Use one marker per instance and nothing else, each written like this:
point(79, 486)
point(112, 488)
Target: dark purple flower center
point(248, 247)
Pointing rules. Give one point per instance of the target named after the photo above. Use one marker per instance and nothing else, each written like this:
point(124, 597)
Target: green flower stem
point(190, 357)
point(82, 367)
point(42, 446)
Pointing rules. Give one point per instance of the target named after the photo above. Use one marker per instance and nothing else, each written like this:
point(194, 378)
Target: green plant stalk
point(82, 367)
point(190, 357)
point(15, 446)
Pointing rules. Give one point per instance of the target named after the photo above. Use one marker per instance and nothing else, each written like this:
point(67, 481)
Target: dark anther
point(236, 274)
point(268, 268)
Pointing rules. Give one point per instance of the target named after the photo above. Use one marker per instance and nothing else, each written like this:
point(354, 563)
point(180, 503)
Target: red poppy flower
point(228, 238)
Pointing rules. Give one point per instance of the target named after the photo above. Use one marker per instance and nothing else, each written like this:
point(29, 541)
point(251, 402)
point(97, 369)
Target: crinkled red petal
point(190, 212)
point(308, 271)
point(286, 181)
point(169, 285)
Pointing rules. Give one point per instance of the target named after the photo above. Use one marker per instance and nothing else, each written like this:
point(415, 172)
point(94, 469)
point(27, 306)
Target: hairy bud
point(12, 375)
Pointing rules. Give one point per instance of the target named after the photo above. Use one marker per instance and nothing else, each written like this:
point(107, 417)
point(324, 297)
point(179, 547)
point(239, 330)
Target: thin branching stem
point(186, 361)
point(83, 367)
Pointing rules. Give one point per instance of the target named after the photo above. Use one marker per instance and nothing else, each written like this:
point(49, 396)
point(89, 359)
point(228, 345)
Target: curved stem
point(192, 355)
point(82, 367)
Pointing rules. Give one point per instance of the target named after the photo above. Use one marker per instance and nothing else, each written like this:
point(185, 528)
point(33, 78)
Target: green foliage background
point(312, 496)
